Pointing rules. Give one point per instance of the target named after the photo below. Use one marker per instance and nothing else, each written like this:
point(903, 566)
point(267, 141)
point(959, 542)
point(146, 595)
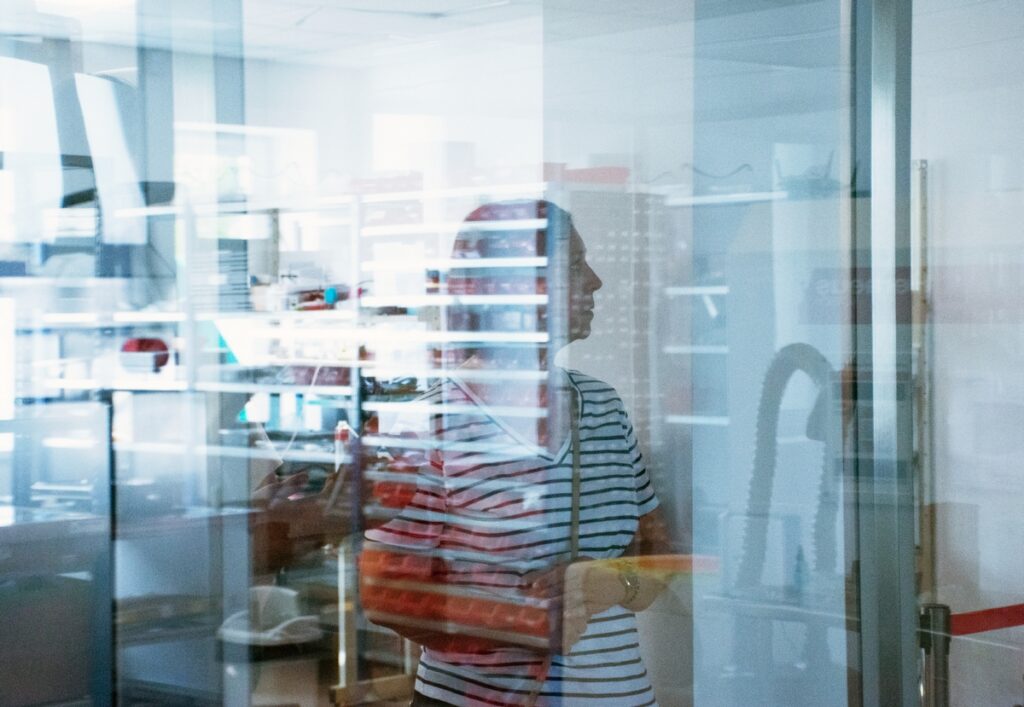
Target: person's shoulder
point(594, 389)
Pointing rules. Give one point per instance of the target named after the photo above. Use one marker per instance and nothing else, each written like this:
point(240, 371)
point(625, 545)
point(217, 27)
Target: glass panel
point(761, 280)
point(969, 176)
point(55, 458)
point(496, 352)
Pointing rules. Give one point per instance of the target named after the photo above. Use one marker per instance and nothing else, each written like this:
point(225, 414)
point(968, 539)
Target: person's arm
point(620, 581)
point(605, 584)
point(652, 538)
point(593, 586)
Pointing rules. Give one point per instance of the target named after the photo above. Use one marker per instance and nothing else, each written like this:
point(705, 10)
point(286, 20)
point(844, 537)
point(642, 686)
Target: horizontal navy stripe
point(550, 496)
point(598, 666)
point(546, 693)
point(615, 423)
point(606, 649)
point(499, 518)
point(578, 678)
point(454, 544)
point(468, 502)
point(610, 634)
point(508, 533)
point(459, 696)
point(609, 401)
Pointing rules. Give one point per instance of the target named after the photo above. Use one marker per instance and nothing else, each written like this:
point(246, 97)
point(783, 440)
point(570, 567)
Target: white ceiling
point(320, 31)
point(738, 33)
point(341, 31)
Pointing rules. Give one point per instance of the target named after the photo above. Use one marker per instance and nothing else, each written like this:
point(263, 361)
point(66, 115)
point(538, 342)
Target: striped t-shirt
point(496, 507)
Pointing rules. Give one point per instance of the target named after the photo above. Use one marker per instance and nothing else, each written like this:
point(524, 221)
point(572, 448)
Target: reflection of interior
point(225, 233)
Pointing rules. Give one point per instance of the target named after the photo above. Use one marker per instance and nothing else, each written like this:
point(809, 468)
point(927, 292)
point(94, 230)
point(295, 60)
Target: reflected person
point(493, 501)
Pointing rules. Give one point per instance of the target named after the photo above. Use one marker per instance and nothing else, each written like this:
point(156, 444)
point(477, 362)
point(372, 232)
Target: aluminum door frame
point(882, 468)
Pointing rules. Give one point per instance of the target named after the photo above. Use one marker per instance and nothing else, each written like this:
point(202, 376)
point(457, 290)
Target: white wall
point(967, 115)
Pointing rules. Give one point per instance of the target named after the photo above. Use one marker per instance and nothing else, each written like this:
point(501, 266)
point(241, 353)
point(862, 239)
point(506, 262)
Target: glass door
point(762, 341)
point(291, 289)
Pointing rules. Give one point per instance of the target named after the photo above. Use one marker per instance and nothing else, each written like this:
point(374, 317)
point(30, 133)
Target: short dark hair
point(482, 236)
point(475, 241)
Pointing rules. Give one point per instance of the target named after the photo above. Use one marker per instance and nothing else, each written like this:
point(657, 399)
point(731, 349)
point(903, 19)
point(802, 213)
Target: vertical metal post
point(886, 590)
point(348, 642)
point(935, 642)
point(103, 679)
point(923, 417)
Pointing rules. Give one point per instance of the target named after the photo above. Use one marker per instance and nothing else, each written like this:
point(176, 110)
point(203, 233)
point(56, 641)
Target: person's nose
point(591, 282)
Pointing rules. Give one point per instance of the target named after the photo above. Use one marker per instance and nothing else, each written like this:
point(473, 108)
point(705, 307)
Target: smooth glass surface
point(968, 183)
point(304, 248)
point(511, 352)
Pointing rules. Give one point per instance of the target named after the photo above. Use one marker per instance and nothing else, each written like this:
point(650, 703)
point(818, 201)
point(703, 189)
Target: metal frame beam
point(887, 597)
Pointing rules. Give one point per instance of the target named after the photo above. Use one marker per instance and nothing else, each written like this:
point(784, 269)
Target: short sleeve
point(646, 500)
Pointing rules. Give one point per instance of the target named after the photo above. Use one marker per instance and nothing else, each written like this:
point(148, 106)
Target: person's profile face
point(583, 283)
point(568, 278)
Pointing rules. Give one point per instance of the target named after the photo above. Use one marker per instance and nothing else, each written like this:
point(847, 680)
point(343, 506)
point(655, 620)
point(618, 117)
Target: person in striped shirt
point(494, 461)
